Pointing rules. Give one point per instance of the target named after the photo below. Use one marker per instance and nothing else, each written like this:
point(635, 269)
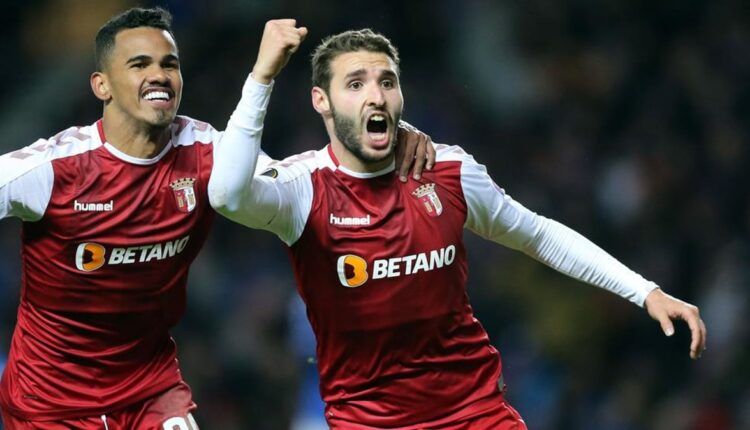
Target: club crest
point(429, 199)
point(184, 194)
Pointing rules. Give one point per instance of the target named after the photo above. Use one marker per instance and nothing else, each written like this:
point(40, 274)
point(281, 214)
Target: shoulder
point(299, 164)
point(454, 157)
point(67, 143)
point(187, 131)
point(447, 153)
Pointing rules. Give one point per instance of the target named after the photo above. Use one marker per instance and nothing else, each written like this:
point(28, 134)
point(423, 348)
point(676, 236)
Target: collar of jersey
point(362, 175)
point(129, 158)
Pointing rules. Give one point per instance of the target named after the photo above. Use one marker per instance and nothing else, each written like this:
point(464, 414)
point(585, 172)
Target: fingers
point(405, 150)
point(420, 156)
point(302, 31)
point(416, 149)
point(697, 331)
point(665, 308)
point(286, 33)
point(284, 21)
point(431, 153)
point(281, 38)
point(666, 324)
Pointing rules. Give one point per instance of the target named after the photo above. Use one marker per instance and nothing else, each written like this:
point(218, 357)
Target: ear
point(100, 86)
point(320, 101)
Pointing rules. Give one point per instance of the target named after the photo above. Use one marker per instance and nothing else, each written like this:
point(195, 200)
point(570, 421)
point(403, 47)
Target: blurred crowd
point(627, 120)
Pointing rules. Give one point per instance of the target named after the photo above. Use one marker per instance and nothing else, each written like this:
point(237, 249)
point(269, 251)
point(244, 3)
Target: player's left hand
point(665, 308)
point(413, 148)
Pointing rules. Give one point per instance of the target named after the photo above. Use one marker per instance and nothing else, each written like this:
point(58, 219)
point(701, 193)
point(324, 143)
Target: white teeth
point(377, 118)
point(154, 95)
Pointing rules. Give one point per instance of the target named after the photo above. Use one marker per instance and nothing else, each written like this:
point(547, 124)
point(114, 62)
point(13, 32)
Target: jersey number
point(180, 423)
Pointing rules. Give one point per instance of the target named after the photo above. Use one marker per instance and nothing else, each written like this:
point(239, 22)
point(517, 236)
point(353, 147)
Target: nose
point(158, 76)
point(375, 96)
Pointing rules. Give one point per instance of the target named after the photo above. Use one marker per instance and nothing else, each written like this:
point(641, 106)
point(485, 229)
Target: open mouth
point(377, 129)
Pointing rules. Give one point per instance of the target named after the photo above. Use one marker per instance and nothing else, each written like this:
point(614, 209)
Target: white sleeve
point(279, 200)
point(494, 215)
point(25, 186)
point(237, 152)
point(264, 161)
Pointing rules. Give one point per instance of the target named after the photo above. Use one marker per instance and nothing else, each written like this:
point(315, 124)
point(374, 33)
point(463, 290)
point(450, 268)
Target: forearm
point(569, 252)
point(236, 154)
point(496, 216)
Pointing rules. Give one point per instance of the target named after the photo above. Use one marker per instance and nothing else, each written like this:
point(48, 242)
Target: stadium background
point(626, 119)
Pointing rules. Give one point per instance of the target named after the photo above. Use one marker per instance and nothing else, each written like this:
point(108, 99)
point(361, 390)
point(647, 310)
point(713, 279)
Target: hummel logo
point(350, 221)
point(93, 207)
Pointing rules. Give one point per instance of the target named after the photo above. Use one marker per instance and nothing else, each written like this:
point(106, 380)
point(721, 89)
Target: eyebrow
point(359, 72)
point(139, 58)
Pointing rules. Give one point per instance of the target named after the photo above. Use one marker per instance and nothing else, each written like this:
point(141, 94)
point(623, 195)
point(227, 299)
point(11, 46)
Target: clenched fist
point(281, 39)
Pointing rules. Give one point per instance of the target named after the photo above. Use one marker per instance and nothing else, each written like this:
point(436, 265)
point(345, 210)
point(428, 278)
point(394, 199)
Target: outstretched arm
point(496, 216)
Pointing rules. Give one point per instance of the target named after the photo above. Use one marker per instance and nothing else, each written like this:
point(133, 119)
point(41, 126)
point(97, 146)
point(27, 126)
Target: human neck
point(347, 159)
point(133, 139)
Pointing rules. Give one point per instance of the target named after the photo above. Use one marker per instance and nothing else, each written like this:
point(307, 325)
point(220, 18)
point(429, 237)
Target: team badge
point(184, 194)
point(428, 197)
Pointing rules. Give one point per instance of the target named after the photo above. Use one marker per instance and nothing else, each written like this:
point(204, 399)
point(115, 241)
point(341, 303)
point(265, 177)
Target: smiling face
point(141, 83)
point(362, 108)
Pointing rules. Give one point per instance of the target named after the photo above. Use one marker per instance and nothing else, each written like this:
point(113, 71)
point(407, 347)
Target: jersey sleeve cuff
point(640, 297)
point(253, 88)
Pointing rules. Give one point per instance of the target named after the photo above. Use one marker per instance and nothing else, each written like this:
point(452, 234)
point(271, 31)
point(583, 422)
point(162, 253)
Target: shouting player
point(381, 264)
point(114, 213)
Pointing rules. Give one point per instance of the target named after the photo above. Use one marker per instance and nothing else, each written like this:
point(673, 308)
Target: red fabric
point(88, 342)
point(402, 349)
point(503, 417)
point(500, 416)
point(150, 414)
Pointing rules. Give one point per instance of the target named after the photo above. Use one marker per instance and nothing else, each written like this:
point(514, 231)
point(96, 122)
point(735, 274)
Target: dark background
point(624, 119)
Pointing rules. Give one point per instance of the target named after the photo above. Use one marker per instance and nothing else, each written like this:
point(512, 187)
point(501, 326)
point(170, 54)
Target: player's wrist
point(261, 77)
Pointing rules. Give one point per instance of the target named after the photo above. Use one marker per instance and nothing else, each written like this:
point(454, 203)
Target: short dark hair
point(342, 43)
point(132, 18)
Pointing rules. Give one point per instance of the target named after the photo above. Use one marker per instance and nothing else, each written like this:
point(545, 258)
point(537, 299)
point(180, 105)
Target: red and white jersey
point(382, 267)
point(106, 247)
point(107, 242)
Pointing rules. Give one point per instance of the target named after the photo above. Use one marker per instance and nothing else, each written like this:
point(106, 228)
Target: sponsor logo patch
point(353, 270)
point(91, 256)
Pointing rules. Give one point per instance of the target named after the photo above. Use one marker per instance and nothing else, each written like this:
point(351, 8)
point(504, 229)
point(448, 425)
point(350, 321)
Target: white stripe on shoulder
point(187, 131)
point(445, 152)
point(304, 162)
point(69, 142)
